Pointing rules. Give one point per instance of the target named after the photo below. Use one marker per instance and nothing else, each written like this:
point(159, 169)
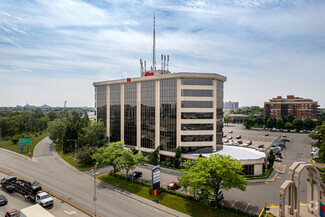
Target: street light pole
point(95, 196)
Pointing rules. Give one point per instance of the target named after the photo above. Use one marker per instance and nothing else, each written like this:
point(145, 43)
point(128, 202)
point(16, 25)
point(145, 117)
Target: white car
point(225, 140)
point(44, 199)
point(246, 144)
point(230, 131)
point(261, 149)
point(236, 144)
point(231, 142)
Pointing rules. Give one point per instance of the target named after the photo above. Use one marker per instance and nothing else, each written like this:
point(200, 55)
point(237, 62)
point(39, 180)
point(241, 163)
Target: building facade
point(231, 105)
point(296, 107)
point(165, 110)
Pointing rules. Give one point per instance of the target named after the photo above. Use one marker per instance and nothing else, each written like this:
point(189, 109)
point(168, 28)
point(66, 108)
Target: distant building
point(297, 107)
point(231, 105)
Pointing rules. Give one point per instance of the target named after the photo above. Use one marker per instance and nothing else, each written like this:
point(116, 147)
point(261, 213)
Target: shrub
point(163, 163)
point(168, 164)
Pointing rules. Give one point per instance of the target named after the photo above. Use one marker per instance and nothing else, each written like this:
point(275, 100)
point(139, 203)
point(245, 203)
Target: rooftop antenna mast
point(154, 43)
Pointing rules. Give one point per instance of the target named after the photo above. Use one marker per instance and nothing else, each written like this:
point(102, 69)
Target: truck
point(29, 189)
point(35, 211)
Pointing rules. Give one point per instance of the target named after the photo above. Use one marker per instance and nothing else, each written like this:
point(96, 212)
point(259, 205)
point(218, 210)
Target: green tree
point(248, 122)
point(319, 136)
point(288, 126)
point(214, 173)
point(271, 158)
point(177, 159)
point(56, 130)
point(279, 123)
point(110, 155)
point(297, 124)
point(128, 161)
point(93, 135)
point(227, 119)
point(309, 124)
point(84, 156)
point(153, 158)
point(52, 115)
point(270, 123)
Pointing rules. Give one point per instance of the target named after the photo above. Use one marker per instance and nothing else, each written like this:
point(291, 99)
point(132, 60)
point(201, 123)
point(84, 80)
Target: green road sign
point(25, 141)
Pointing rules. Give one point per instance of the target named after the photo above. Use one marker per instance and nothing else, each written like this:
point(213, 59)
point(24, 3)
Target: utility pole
point(95, 196)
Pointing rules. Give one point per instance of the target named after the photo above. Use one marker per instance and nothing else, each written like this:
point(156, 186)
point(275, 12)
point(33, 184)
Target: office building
point(296, 107)
point(231, 105)
point(163, 109)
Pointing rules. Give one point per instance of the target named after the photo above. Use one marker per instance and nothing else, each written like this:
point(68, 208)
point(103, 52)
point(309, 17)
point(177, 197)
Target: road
point(74, 185)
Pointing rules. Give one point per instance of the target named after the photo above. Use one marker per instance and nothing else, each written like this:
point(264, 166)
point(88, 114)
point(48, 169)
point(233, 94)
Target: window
point(248, 169)
point(197, 115)
point(130, 114)
point(101, 104)
point(148, 99)
point(197, 104)
point(203, 93)
point(115, 112)
point(189, 127)
point(196, 81)
point(197, 138)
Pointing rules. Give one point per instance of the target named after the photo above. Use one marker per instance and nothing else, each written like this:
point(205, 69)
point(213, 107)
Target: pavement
point(78, 187)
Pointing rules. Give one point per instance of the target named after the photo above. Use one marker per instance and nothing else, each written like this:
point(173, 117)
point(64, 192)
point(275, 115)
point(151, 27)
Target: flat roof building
point(163, 109)
point(296, 107)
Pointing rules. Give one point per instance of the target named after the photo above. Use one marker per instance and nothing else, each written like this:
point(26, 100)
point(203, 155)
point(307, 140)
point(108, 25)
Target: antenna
point(154, 43)
point(167, 63)
point(162, 58)
point(145, 66)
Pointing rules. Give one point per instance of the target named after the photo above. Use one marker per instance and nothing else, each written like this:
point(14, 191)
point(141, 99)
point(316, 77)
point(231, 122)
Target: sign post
point(155, 179)
point(23, 142)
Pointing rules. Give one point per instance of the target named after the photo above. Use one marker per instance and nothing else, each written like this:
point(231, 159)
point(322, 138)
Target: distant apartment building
point(297, 107)
point(231, 105)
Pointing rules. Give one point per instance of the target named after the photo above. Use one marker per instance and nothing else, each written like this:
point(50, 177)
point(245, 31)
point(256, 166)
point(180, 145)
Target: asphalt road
point(74, 185)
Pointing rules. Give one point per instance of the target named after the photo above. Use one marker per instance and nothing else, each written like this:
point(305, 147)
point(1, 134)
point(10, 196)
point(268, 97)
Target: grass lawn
point(35, 139)
point(180, 204)
point(70, 159)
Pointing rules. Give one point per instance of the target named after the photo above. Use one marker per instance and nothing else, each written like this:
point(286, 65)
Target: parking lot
point(257, 137)
point(17, 201)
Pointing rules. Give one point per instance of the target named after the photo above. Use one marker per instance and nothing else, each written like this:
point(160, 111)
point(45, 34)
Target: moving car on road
point(173, 186)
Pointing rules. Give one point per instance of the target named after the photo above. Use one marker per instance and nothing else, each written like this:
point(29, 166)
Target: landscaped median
point(174, 200)
point(7, 142)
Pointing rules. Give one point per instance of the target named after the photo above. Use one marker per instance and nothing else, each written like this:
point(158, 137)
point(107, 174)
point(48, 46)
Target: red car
point(12, 213)
point(284, 135)
point(240, 142)
point(173, 186)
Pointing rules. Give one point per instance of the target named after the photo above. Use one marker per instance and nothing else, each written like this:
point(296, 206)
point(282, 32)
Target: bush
point(163, 163)
point(168, 164)
point(84, 156)
point(15, 140)
point(40, 133)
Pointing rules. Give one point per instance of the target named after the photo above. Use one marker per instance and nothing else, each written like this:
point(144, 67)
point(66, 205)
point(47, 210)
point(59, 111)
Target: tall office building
point(163, 109)
point(297, 107)
point(231, 105)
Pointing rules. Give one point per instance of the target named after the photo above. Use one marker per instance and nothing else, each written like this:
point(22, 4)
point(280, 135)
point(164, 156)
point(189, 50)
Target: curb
point(59, 196)
point(265, 180)
point(313, 162)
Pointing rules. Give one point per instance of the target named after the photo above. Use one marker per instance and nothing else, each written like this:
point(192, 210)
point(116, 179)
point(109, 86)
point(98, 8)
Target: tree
point(297, 124)
point(128, 161)
point(271, 158)
point(153, 158)
point(288, 126)
point(248, 122)
point(319, 136)
point(227, 119)
point(84, 156)
point(56, 130)
point(110, 155)
point(279, 123)
point(93, 135)
point(177, 159)
point(270, 123)
point(309, 124)
point(214, 173)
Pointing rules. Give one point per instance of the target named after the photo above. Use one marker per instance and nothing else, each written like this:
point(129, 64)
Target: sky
point(53, 51)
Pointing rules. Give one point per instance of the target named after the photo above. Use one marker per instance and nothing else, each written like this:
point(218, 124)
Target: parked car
point(219, 198)
point(267, 134)
point(236, 144)
point(238, 137)
point(261, 149)
point(230, 131)
point(284, 140)
point(240, 141)
point(3, 200)
point(314, 149)
point(277, 159)
point(231, 142)
point(12, 213)
point(261, 146)
point(246, 144)
point(284, 135)
point(276, 149)
point(225, 140)
point(224, 135)
point(173, 186)
point(135, 175)
point(7, 178)
point(229, 137)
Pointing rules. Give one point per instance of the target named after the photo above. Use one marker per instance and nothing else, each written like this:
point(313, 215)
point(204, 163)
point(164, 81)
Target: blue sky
point(52, 51)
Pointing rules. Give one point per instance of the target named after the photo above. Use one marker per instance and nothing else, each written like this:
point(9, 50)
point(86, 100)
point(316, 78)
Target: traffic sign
point(25, 141)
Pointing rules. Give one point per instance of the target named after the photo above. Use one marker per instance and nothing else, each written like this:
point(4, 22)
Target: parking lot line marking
point(233, 203)
point(246, 207)
point(164, 183)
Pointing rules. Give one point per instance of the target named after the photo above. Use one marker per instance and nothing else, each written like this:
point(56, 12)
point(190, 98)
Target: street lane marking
point(70, 213)
point(246, 207)
point(233, 203)
point(266, 182)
